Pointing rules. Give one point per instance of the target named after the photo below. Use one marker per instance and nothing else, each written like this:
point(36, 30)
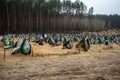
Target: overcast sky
point(103, 6)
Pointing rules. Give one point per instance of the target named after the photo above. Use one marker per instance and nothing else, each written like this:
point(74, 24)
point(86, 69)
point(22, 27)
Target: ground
point(55, 63)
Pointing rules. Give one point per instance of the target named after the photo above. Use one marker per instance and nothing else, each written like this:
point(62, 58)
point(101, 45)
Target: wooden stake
point(32, 52)
point(99, 48)
point(4, 54)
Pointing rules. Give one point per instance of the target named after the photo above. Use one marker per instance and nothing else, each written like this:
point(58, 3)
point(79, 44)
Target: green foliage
point(85, 44)
point(96, 41)
point(7, 42)
point(15, 50)
point(7, 47)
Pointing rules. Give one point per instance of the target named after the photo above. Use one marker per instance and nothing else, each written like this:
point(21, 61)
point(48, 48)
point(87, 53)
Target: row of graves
point(22, 43)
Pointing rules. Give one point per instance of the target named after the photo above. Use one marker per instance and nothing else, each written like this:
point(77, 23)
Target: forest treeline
point(40, 16)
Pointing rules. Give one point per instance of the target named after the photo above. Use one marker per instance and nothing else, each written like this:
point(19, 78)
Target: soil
point(54, 63)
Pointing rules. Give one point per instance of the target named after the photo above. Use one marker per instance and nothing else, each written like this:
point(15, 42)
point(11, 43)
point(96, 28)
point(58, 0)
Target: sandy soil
point(53, 63)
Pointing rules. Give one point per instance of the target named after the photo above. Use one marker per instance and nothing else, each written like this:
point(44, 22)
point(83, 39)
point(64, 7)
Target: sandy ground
point(53, 63)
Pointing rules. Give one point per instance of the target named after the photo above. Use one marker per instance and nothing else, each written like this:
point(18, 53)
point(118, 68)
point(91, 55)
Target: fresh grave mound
point(56, 42)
